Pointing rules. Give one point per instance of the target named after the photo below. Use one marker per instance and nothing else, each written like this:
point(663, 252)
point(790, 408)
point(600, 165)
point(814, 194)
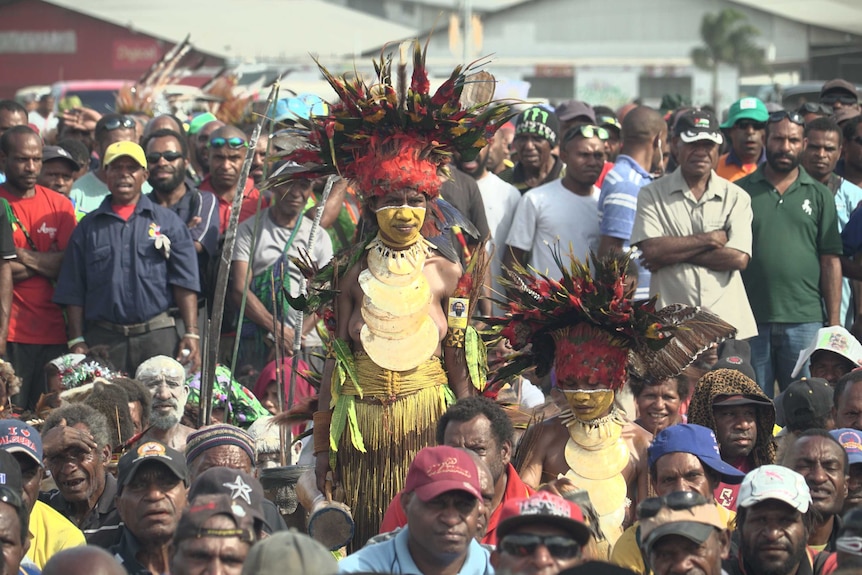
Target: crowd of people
point(532, 340)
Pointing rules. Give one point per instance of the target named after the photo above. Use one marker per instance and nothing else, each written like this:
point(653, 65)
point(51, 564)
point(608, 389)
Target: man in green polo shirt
point(794, 268)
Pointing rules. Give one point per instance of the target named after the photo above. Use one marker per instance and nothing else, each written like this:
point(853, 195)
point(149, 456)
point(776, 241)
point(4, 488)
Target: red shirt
point(726, 493)
point(49, 218)
point(515, 489)
point(249, 203)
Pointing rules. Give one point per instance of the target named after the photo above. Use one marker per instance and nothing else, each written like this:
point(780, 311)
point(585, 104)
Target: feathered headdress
point(387, 136)
point(587, 327)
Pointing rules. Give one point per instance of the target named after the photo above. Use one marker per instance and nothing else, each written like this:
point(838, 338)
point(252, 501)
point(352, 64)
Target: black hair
point(6, 139)
point(809, 519)
point(824, 124)
point(167, 133)
point(840, 385)
point(820, 432)
point(12, 106)
point(469, 407)
point(683, 385)
point(77, 149)
point(136, 392)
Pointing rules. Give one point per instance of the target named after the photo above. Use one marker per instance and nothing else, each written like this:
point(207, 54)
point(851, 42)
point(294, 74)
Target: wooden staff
point(208, 369)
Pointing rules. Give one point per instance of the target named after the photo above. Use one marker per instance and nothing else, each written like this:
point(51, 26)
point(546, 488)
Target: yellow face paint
point(400, 226)
point(589, 404)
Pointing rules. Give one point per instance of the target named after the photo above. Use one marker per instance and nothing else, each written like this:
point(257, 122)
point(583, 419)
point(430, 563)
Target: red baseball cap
point(436, 470)
point(543, 508)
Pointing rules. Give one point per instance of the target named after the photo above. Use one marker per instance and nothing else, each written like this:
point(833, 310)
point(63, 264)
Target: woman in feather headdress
point(397, 358)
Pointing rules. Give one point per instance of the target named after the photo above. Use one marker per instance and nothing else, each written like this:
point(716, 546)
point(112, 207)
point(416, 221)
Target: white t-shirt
point(550, 214)
point(501, 200)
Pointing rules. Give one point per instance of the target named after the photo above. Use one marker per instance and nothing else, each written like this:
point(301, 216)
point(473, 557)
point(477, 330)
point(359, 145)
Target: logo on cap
point(734, 359)
point(2, 479)
point(239, 489)
point(449, 465)
point(543, 506)
point(151, 449)
point(747, 104)
point(850, 440)
point(701, 123)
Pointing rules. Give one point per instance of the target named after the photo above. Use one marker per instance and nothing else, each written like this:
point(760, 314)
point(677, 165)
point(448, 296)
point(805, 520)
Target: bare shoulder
point(638, 437)
point(448, 271)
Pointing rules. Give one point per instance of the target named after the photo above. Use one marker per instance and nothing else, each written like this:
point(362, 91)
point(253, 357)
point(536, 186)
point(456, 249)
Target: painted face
point(400, 216)
point(589, 404)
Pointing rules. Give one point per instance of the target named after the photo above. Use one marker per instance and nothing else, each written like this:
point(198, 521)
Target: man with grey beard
point(165, 378)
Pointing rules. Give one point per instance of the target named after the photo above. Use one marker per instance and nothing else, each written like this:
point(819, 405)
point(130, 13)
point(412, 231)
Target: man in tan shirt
point(694, 229)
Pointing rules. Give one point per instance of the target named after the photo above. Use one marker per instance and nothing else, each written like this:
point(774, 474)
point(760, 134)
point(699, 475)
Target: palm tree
point(728, 38)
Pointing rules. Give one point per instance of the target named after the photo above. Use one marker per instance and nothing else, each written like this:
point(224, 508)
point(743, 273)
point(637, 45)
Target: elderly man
point(480, 425)
point(126, 266)
point(442, 499)
point(736, 409)
point(694, 228)
point(49, 531)
point(745, 128)
point(14, 518)
point(774, 518)
point(165, 378)
point(77, 449)
point(214, 535)
point(821, 460)
point(226, 447)
point(152, 480)
point(536, 135)
point(683, 533)
point(542, 534)
point(682, 458)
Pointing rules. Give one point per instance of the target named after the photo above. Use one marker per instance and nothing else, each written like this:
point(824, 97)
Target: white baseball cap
point(774, 482)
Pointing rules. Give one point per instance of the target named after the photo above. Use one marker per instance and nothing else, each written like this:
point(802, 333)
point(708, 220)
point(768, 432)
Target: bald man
point(86, 560)
point(226, 150)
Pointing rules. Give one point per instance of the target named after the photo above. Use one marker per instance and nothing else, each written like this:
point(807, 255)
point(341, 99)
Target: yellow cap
point(130, 149)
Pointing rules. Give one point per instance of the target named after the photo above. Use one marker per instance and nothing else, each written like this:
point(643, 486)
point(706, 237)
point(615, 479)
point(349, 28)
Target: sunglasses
point(746, 124)
point(524, 545)
point(814, 108)
point(233, 143)
point(121, 122)
point(587, 131)
point(794, 117)
point(677, 500)
point(170, 156)
point(832, 100)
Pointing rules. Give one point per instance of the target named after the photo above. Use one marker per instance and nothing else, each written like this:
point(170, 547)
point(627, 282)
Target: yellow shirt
point(626, 552)
point(50, 532)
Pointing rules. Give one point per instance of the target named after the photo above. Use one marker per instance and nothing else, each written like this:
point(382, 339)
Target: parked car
point(100, 95)
point(794, 96)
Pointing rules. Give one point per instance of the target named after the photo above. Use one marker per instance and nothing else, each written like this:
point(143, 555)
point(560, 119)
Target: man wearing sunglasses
point(542, 535)
point(745, 128)
point(683, 533)
point(89, 191)
point(839, 94)
point(200, 129)
point(227, 149)
point(774, 518)
point(795, 266)
point(694, 228)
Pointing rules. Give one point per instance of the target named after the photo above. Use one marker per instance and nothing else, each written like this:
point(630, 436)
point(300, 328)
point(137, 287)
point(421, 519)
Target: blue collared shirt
point(203, 205)
point(393, 556)
point(113, 269)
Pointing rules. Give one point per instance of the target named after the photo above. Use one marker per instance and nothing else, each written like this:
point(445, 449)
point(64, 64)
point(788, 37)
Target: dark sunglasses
point(815, 108)
point(833, 99)
point(587, 131)
point(121, 122)
point(609, 121)
point(677, 500)
point(794, 117)
point(170, 156)
point(233, 143)
point(746, 124)
point(524, 545)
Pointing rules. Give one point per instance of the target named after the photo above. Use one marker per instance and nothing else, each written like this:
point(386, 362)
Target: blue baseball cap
point(18, 437)
point(851, 440)
point(699, 441)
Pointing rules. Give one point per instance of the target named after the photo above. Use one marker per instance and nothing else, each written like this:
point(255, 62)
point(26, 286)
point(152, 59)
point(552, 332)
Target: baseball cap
point(838, 85)
point(200, 121)
point(596, 567)
point(132, 460)
point(741, 399)
point(774, 482)
point(835, 339)
point(851, 440)
point(11, 482)
point(699, 441)
point(538, 121)
point(845, 114)
point(289, 553)
point(746, 109)
point(18, 437)
point(806, 399)
point(543, 508)
point(571, 109)
point(120, 149)
point(735, 354)
point(682, 513)
point(240, 487)
point(204, 507)
point(436, 470)
point(696, 125)
point(57, 153)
